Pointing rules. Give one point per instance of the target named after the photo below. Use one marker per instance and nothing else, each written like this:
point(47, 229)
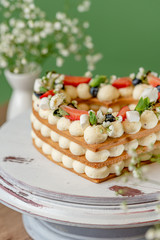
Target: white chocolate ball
point(71, 91)
point(83, 91)
point(126, 92)
point(107, 93)
point(99, 156)
point(64, 142)
point(116, 151)
point(147, 141)
point(138, 89)
point(76, 149)
point(55, 136)
point(148, 119)
point(95, 134)
point(131, 145)
point(75, 129)
point(56, 155)
point(63, 124)
point(97, 172)
point(118, 129)
point(131, 127)
point(78, 166)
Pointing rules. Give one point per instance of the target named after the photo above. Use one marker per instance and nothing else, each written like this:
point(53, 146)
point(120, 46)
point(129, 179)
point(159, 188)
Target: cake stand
point(57, 204)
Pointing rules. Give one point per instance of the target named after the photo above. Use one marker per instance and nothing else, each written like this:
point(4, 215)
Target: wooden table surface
point(11, 225)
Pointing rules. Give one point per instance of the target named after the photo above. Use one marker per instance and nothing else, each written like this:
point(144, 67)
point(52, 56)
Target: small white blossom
point(44, 103)
point(59, 61)
point(110, 110)
point(37, 85)
point(84, 121)
point(106, 124)
point(158, 109)
point(119, 118)
point(132, 75)
point(56, 100)
point(57, 26)
point(100, 116)
point(110, 130)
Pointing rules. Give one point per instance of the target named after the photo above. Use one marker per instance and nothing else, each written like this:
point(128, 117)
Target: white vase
point(22, 85)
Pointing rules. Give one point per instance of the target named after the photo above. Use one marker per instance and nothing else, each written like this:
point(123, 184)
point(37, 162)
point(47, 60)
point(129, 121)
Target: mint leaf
point(155, 158)
point(43, 89)
point(95, 82)
point(142, 105)
point(92, 118)
point(60, 112)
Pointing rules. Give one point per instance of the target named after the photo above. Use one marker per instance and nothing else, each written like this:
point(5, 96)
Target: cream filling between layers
point(91, 156)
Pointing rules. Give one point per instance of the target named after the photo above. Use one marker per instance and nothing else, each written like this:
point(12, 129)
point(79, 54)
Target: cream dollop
point(107, 93)
point(76, 149)
point(131, 127)
point(99, 156)
point(97, 172)
point(95, 134)
point(147, 141)
point(64, 142)
point(75, 129)
point(118, 129)
point(138, 89)
point(116, 151)
point(83, 91)
point(71, 91)
point(126, 92)
point(148, 119)
point(63, 124)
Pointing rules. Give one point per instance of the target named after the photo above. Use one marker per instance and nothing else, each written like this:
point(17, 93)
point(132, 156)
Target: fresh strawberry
point(122, 82)
point(75, 81)
point(152, 80)
point(123, 111)
point(74, 114)
point(48, 93)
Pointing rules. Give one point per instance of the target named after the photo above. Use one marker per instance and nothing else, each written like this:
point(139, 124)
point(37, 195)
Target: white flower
point(100, 116)
point(84, 121)
point(158, 109)
point(56, 100)
point(110, 130)
point(57, 26)
point(119, 118)
point(59, 61)
point(110, 110)
point(58, 87)
point(132, 75)
point(136, 173)
point(106, 124)
point(37, 85)
point(86, 24)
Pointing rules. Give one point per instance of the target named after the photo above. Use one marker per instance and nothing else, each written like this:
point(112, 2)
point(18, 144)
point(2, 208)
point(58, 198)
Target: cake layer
point(82, 159)
point(89, 173)
point(109, 143)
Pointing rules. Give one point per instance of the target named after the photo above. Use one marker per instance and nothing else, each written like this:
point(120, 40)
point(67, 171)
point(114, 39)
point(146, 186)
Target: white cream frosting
point(147, 141)
point(38, 142)
point(138, 89)
point(56, 155)
point(36, 105)
point(63, 124)
point(55, 136)
point(126, 92)
point(148, 119)
point(116, 151)
point(64, 142)
point(76, 149)
point(75, 129)
point(71, 91)
point(99, 156)
point(131, 145)
point(158, 135)
point(118, 129)
point(45, 131)
point(37, 124)
point(107, 93)
point(83, 91)
point(78, 167)
point(97, 172)
point(46, 148)
point(131, 127)
point(116, 168)
point(67, 161)
point(95, 134)
point(52, 119)
point(34, 97)
point(44, 113)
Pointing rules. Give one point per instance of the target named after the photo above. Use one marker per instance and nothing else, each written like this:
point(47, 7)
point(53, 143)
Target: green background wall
point(127, 32)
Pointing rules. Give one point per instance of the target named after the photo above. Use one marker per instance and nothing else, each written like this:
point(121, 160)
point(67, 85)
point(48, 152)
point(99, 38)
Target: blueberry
point(38, 94)
point(94, 91)
point(110, 118)
point(158, 88)
point(136, 81)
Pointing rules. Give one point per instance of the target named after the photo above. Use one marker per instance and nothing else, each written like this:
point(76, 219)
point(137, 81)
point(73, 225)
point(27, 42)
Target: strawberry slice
point(122, 82)
point(123, 111)
point(75, 81)
point(74, 114)
point(152, 80)
point(48, 93)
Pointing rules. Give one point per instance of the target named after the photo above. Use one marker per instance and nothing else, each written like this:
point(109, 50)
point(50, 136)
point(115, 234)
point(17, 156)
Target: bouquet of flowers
point(27, 37)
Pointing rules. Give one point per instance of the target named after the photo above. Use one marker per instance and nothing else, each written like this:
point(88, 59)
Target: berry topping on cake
point(109, 118)
point(122, 82)
point(75, 81)
point(123, 111)
point(94, 91)
point(73, 114)
point(136, 81)
point(152, 80)
point(48, 93)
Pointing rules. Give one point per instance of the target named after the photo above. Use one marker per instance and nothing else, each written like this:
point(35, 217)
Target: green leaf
point(92, 118)
point(60, 112)
point(142, 105)
point(95, 82)
point(43, 89)
point(155, 158)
